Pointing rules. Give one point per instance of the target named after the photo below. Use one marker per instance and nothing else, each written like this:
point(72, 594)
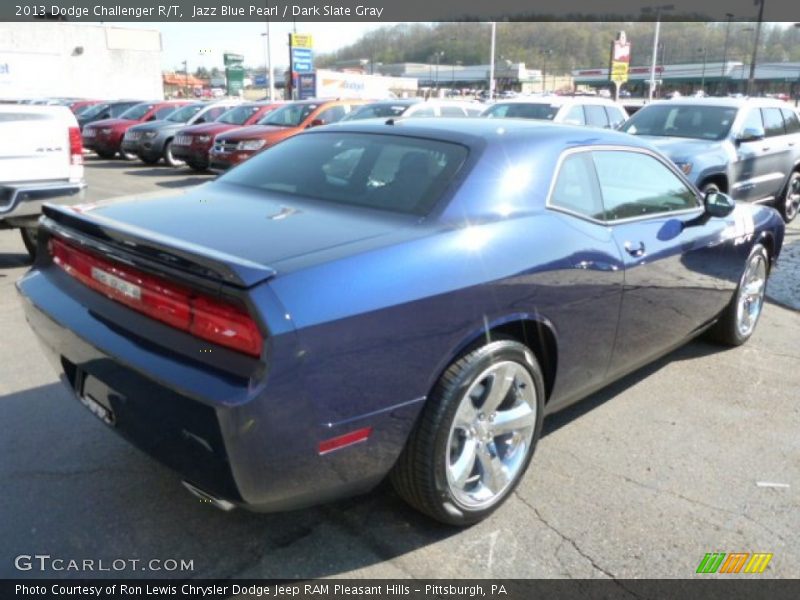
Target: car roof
point(473, 132)
point(724, 101)
point(559, 100)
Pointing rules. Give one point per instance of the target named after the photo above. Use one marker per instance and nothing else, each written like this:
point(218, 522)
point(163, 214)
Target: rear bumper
point(238, 439)
point(25, 200)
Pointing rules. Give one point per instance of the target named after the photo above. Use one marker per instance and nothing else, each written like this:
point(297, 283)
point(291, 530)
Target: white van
point(41, 160)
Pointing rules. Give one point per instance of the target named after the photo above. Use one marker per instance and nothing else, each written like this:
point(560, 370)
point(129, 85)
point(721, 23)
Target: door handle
point(634, 249)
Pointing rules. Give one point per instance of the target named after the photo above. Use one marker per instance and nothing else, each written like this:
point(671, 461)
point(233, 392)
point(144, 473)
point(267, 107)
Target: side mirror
point(751, 134)
point(317, 122)
point(718, 204)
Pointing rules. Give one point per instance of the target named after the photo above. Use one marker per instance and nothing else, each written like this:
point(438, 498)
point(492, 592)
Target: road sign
point(301, 40)
point(620, 59)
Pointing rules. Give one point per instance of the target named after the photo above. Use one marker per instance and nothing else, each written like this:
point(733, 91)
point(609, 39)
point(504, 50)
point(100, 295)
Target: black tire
point(30, 235)
point(170, 160)
point(420, 475)
point(105, 154)
point(127, 155)
point(196, 167)
point(789, 204)
point(149, 160)
point(726, 330)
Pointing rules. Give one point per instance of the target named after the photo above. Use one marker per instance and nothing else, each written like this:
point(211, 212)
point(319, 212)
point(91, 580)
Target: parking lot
point(696, 453)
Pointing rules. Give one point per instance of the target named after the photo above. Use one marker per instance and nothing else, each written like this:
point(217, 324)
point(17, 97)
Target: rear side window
point(332, 114)
point(520, 110)
point(425, 111)
point(790, 120)
point(162, 113)
point(575, 116)
point(773, 122)
point(452, 111)
point(634, 184)
point(596, 115)
point(616, 116)
point(383, 172)
point(576, 189)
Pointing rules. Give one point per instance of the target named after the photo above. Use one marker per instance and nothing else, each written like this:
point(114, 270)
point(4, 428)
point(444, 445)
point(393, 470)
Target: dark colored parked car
point(234, 147)
point(104, 110)
point(191, 144)
point(105, 137)
point(748, 148)
point(406, 298)
point(152, 141)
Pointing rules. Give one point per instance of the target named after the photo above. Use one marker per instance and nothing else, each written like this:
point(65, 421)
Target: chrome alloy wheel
point(751, 294)
point(491, 434)
point(792, 199)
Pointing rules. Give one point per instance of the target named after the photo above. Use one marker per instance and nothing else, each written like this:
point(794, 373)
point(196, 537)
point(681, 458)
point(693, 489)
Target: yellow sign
point(619, 71)
point(301, 40)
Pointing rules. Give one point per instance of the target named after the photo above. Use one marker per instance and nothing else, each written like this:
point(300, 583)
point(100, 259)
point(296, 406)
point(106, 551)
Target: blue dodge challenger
point(403, 298)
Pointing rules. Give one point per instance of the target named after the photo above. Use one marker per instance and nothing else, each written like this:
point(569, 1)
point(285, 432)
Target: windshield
point(134, 113)
point(182, 115)
point(238, 115)
point(685, 121)
point(289, 116)
point(542, 111)
point(383, 172)
point(373, 111)
point(93, 110)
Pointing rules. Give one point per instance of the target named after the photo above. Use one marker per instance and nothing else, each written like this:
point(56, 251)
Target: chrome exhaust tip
point(206, 497)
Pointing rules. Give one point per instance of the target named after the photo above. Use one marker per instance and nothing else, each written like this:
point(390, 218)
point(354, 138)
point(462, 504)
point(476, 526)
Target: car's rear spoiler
point(132, 244)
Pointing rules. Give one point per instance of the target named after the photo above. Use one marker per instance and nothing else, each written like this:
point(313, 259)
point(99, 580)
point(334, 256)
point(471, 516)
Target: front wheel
point(790, 203)
point(475, 436)
point(169, 159)
point(738, 321)
point(128, 155)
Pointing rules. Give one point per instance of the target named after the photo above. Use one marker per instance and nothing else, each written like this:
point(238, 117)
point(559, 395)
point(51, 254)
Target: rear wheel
point(105, 154)
point(30, 237)
point(709, 187)
point(790, 203)
point(475, 436)
point(128, 155)
point(738, 321)
point(169, 158)
point(197, 167)
point(149, 160)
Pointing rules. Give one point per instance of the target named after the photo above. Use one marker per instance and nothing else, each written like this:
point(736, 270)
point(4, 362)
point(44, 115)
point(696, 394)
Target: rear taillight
point(75, 146)
point(208, 318)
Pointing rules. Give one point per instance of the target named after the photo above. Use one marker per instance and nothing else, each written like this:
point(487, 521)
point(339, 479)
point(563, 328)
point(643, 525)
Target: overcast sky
point(184, 41)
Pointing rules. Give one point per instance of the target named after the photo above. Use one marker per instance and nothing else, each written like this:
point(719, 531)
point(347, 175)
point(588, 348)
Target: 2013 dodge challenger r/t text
point(406, 298)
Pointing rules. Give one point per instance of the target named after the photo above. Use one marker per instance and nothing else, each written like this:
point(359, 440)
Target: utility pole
point(268, 53)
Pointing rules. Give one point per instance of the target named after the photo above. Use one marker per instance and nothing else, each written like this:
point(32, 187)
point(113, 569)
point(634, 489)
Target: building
point(58, 59)
point(508, 75)
point(182, 85)
point(715, 78)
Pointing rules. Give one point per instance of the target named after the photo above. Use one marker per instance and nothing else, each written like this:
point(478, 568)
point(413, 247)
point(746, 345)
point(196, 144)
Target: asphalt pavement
point(697, 453)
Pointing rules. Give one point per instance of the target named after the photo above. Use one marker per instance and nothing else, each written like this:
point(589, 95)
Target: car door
point(675, 262)
point(777, 152)
point(586, 280)
point(757, 168)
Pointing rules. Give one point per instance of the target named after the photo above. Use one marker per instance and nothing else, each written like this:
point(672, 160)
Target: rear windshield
point(182, 115)
point(685, 121)
point(135, 113)
point(375, 111)
point(384, 172)
point(94, 110)
point(519, 110)
point(290, 115)
point(238, 115)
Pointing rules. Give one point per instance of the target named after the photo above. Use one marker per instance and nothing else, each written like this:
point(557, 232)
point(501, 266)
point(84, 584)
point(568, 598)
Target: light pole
point(268, 56)
point(704, 50)
point(545, 54)
point(752, 79)
point(725, 49)
point(749, 31)
point(185, 79)
point(658, 10)
point(439, 56)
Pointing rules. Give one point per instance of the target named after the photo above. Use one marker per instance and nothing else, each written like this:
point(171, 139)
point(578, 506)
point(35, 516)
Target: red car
point(231, 148)
point(105, 137)
point(80, 105)
point(191, 144)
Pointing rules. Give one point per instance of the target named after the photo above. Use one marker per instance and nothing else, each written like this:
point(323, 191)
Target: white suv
point(41, 160)
point(571, 110)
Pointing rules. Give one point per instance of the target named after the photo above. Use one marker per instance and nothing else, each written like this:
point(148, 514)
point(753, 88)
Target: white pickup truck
point(41, 160)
